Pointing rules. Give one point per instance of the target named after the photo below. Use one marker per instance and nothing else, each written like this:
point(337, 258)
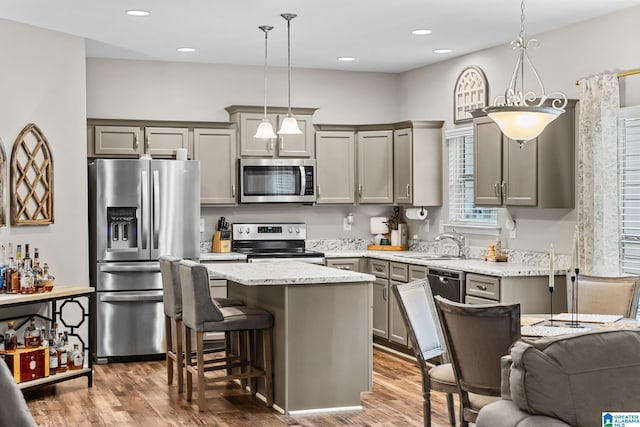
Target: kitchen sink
point(432, 256)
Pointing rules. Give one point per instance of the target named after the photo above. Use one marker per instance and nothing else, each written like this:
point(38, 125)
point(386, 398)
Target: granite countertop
point(224, 256)
point(284, 273)
point(500, 269)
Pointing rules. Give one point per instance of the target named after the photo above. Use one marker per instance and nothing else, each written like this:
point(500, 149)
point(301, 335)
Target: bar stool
point(201, 315)
point(172, 298)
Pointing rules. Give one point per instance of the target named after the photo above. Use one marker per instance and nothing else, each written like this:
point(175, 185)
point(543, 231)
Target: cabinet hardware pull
point(384, 294)
point(281, 144)
point(318, 190)
point(504, 189)
point(360, 191)
point(496, 189)
point(146, 143)
point(136, 143)
point(481, 287)
point(270, 146)
point(408, 190)
point(233, 190)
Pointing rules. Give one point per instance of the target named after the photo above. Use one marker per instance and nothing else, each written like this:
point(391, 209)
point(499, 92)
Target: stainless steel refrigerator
point(139, 209)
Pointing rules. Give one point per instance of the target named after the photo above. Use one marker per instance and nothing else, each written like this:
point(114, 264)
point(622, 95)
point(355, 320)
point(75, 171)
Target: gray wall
point(42, 81)
point(159, 90)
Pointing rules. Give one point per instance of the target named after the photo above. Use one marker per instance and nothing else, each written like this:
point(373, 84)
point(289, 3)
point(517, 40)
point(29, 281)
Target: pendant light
point(265, 130)
point(289, 125)
point(521, 114)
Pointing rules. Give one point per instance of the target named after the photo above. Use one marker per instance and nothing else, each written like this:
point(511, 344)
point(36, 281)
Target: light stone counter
point(284, 273)
point(500, 269)
point(226, 256)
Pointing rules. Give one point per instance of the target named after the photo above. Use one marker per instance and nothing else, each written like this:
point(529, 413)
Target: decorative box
point(28, 363)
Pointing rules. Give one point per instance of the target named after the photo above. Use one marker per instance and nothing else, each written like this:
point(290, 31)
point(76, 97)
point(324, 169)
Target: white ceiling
point(375, 32)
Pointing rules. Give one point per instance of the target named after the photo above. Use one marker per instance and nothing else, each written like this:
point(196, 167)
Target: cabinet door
point(397, 327)
point(350, 264)
point(216, 150)
point(117, 141)
point(335, 167)
point(402, 166)
point(297, 145)
point(381, 308)
point(163, 142)
point(250, 146)
point(519, 173)
point(375, 167)
point(487, 164)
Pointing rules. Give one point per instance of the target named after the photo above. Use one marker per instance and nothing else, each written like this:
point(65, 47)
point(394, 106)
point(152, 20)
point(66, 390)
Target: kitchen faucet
point(456, 237)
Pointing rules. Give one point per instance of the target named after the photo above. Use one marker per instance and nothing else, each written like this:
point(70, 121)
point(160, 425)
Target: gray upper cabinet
point(418, 164)
point(540, 173)
point(248, 118)
point(375, 166)
point(216, 150)
point(115, 140)
point(335, 167)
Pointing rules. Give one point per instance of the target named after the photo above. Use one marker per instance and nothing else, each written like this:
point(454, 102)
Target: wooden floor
point(137, 394)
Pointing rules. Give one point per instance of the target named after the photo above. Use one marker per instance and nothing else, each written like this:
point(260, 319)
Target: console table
point(62, 301)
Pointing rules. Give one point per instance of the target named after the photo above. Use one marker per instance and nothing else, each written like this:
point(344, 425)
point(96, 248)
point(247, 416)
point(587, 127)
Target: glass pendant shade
point(265, 130)
point(289, 126)
point(522, 124)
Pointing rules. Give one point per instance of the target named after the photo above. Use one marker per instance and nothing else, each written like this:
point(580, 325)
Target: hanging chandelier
point(289, 125)
point(265, 130)
point(522, 115)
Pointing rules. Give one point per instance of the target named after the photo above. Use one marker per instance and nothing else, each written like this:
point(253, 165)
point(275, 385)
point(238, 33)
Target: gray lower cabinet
point(531, 292)
point(216, 150)
point(335, 167)
point(351, 264)
point(538, 173)
point(381, 308)
point(375, 167)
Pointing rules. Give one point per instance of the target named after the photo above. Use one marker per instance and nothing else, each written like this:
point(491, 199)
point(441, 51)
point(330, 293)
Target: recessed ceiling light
point(186, 49)
point(346, 58)
point(442, 51)
point(138, 13)
point(421, 32)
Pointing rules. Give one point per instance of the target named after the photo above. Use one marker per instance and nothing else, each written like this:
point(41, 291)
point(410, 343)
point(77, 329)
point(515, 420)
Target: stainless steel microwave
point(277, 180)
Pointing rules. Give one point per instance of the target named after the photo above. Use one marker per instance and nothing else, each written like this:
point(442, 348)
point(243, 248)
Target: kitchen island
point(322, 341)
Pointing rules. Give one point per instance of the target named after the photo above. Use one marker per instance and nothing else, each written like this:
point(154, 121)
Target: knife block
point(222, 241)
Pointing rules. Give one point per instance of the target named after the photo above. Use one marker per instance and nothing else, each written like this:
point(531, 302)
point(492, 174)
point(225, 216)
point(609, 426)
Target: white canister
point(181, 154)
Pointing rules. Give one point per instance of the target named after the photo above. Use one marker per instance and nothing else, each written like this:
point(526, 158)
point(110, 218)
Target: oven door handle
point(303, 180)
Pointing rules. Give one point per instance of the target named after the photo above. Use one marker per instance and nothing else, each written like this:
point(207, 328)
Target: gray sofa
point(13, 408)
point(567, 381)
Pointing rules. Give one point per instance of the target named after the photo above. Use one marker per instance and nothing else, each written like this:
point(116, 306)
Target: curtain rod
point(620, 74)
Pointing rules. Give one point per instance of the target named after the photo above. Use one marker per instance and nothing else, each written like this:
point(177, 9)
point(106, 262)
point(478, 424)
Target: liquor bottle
point(19, 254)
point(62, 354)
point(37, 269)
point(76, 361)
point(32, 335)
point(3, 287)
point(12, 277)
point(53, 333)
point(27, 281)
point(10, 338)
point(44, 341)
point(27, 264)
point(53, 357)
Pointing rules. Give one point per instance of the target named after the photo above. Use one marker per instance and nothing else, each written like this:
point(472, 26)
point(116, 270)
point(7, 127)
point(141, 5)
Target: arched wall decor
point(470, 92)
point(31, 178)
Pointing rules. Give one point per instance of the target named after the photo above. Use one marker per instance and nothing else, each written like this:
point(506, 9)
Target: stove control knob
point(298, 230)
point(248, 230)
point(240, 230)
point(290, 230)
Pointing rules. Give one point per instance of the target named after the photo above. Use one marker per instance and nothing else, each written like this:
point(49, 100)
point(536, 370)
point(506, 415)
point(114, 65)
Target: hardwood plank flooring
point(137, 394)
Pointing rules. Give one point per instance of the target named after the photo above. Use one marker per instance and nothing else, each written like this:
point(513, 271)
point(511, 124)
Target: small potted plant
point(392, 222)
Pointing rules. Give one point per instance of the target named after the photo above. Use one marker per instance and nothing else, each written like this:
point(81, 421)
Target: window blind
point(462, 209)
point(629, 174)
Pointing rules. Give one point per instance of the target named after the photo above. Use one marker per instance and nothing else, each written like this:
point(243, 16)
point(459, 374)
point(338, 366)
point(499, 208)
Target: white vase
point(396, 238)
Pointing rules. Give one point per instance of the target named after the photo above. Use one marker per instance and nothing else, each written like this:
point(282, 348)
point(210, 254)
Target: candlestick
point(575, 261)
point(551, 270)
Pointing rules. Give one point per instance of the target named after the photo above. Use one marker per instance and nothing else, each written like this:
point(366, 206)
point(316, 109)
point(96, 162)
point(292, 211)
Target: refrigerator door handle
point(147, 297)
point(145, 200)
point(156, 208)
point(129, 268)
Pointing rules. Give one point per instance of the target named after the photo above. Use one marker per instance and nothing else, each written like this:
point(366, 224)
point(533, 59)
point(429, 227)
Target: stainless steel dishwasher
point(448, 284)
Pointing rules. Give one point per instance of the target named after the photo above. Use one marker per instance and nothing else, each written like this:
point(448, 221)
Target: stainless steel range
point(272, 242)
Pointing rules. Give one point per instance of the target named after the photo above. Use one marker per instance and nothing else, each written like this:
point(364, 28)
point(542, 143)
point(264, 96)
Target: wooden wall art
point(3, 184)
point(31, 179)
point(470, 92)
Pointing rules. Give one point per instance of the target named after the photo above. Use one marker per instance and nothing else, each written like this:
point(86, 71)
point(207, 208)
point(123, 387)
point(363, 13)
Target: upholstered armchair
point(569, 380)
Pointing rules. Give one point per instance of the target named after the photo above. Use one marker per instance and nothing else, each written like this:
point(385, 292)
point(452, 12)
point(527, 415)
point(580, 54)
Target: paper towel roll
point(416, 213)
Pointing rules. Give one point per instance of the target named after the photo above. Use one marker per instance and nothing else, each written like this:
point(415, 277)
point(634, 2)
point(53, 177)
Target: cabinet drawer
point(417, 272)
point(351, 264)
point(398, 272)
point(477, 301)
point(483, 286)
point(379, 268)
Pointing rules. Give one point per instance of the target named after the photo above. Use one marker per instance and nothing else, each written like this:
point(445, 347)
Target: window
point(629, 172)
point(462, 209)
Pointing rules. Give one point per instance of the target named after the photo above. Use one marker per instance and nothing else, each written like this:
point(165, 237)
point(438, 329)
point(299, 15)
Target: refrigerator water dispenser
point(122, 231)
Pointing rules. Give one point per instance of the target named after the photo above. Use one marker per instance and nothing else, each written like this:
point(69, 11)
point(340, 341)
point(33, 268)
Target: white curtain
point(597, 176)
